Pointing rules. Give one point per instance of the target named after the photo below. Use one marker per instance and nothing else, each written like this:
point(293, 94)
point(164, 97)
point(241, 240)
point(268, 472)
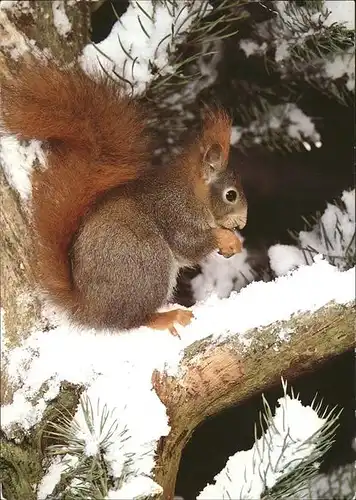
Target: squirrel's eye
point(231, 195)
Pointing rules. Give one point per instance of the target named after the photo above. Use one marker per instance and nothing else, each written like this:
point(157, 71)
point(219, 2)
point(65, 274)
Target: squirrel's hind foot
point(165, 320)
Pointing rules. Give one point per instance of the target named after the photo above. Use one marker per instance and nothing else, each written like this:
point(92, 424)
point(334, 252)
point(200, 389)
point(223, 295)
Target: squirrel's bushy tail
point(96, 140)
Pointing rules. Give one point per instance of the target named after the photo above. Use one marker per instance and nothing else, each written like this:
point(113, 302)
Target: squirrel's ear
point(213, 162)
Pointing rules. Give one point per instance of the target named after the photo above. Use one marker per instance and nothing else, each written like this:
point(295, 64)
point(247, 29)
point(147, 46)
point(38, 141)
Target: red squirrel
point(110, 232)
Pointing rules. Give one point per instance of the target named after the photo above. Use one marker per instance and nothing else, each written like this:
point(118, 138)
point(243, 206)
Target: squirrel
point(111, 231)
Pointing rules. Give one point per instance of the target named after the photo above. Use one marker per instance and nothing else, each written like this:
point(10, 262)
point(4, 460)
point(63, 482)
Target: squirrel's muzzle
point(236, 219)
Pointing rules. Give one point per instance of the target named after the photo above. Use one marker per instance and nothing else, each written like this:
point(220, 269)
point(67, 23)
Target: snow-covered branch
point(282, 460)
point(159, 28)
point(310, 42)
point(232, 350)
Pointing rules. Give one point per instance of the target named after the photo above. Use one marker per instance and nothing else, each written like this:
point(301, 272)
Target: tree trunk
point(19, 26)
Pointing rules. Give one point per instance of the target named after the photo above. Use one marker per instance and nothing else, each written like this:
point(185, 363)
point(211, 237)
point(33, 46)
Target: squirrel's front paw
point(228, 242)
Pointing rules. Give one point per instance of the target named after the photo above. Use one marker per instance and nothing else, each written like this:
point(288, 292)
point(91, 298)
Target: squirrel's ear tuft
point(213, 162)
point(216, 133)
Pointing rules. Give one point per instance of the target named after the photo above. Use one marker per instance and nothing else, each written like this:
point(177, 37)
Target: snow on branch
point(302, 34)
point(14, 43)
point(221, 345)
point(60, 18)
point(283, 459)
point(332, 235)
point(286, 121)
point(158, 28)
point(310, 42)
point(167, 52)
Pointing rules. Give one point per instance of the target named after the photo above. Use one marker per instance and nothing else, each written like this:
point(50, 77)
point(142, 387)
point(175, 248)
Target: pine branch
point(295, 46)
point(302, 43)
point(182, 64)
point(339, 484)
point(82, 446)
point(331, 234)
point(307, 469)
point(283, 459)
point(283, 126)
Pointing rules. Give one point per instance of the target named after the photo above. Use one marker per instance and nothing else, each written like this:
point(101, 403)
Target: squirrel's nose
point(241, 217)
point(241, 224)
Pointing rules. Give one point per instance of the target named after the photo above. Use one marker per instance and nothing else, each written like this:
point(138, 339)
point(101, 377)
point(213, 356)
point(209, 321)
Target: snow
point(7, 4)
point(300, 124)
point(134, 488)
point(116, 370)
point(12, 42)
point(221, 276)
point(285, 258)
point(18, 5)
point(207, 65)
point(348, 198)
point(294, 26)
point(333, 237)
point(51, 478)
point(334, 234)
point(282, 50)
point(340, 65)
point(236, 133)
point(12, 152)
point(164, 26)
point(341, 12)
point(250, 47)
point(286, 29)
point(332, 11)
point(60, 18)
point(58, 466)
point(286, 117)
point(22, 411)
point(283, 446)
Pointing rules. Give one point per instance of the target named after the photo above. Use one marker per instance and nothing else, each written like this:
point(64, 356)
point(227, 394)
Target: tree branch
point(216, 377)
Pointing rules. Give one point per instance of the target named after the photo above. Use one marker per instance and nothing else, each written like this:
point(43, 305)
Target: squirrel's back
point(95, 139)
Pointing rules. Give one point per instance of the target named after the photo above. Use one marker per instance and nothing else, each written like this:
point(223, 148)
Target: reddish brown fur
point(96, 141)
point(115, 265)
point(217, 129)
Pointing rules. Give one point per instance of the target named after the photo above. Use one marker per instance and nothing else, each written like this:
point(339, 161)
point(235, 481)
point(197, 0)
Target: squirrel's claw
point(166, 320)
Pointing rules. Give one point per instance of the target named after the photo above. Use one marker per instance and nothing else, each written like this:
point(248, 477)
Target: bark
point(37, 24)
point(21, 465)
point(21, 308)
point(217, 377)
